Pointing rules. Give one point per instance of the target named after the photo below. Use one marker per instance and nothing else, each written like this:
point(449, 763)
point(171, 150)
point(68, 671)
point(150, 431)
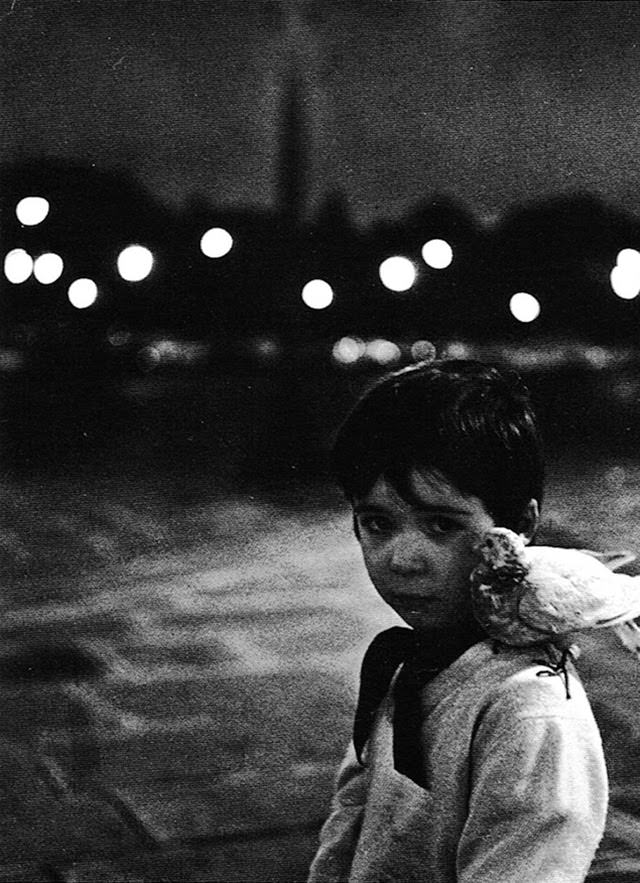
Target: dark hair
point(474, 423)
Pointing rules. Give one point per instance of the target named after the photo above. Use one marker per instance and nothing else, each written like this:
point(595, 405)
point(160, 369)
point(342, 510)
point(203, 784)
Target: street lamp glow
point(48, 268)
point(348, 350)
point(82, 293)
point(423, 351)
point(32, 210)
point(437, 253)
point(629, 258)
point(524, 307)
point(317, 294)
point(216, 242)
point(625, 281)
point(384, 352)
point(18, 266)
point(397, 273)
point(135, 262)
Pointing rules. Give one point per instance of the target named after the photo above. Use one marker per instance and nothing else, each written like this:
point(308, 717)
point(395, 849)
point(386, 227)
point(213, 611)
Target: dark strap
point(385, 653)
point(422, 657)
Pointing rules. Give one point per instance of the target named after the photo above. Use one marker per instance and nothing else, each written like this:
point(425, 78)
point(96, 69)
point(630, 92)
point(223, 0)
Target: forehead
point(429, 491)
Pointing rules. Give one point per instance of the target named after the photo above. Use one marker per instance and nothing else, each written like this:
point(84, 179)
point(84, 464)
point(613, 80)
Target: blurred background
point(220, 221)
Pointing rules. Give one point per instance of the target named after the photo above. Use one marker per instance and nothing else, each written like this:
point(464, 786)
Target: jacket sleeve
point(340, 832)
point(538, 798)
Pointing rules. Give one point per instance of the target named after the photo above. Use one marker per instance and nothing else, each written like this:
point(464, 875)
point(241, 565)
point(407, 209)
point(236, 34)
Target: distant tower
point(292, 158)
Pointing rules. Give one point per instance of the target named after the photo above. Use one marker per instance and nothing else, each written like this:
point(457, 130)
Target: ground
point(178, 681)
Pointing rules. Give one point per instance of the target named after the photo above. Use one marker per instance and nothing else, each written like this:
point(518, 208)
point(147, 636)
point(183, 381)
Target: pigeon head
point(502, 552)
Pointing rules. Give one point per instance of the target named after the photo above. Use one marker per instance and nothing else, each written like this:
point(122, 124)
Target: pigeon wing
point(569, 591)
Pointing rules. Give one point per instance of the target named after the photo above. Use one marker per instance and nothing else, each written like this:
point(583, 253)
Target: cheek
point(376, 563)
point(460, 566)
point(373, 560)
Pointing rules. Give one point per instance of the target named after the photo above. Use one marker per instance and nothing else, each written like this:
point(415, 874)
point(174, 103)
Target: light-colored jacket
point(515, 783)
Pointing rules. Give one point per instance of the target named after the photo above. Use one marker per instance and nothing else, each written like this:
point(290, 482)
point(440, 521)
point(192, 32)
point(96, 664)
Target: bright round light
point(384, 352)
point(524, 307)
point(48, 268)
point(348, 350)
point(625, 281)
point(317, 294)
point(216, 242)
point(629, 258)
point(135, 262)
point(437, 253)
point(32, 210)
point(18, 266)
point(423, 351)
point(82, 293)
point(397, 273)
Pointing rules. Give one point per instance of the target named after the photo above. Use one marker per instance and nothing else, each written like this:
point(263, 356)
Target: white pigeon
point(524, 595)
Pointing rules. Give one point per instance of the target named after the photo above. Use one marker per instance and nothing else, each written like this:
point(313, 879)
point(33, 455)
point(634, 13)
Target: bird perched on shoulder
point(524, 595)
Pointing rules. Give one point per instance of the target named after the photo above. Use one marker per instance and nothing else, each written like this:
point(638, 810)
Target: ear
point(529, 522)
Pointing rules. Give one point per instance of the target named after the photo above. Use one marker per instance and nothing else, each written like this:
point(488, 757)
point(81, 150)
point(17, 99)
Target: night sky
point(492, 103)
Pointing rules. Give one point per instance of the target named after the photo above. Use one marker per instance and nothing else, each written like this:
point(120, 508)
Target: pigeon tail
point(629, 635)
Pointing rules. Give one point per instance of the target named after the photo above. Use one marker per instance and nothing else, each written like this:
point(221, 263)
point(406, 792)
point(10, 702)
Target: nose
point(409, 553)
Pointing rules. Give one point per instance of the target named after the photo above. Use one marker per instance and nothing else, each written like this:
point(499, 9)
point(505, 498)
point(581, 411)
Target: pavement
point(180, 717)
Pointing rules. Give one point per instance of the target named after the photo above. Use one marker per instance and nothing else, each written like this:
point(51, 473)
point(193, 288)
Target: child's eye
point(374, 524)
point(441, 524)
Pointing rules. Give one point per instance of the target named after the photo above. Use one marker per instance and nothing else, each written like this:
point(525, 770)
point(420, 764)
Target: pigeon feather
point(532, 594)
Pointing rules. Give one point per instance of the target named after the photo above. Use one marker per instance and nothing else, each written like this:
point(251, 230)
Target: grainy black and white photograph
point(319, 441)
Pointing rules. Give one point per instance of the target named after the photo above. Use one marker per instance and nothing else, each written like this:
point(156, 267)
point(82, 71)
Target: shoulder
point(525, 708)
point(520, 682)
point(544, 685)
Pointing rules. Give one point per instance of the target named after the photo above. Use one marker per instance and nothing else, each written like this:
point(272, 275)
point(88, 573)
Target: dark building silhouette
point(292, 156)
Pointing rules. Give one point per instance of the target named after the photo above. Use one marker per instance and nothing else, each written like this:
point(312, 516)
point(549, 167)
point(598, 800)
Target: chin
point(420, 621)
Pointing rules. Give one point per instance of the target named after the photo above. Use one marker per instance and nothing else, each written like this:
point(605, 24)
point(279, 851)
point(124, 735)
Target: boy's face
point(419, 554)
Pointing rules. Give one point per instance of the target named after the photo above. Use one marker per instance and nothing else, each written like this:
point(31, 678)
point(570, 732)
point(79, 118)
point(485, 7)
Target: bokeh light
point(18, 266)
point(457, 349)
point(383, 352)
point(524, 307)
point(317, 294)
point(82, 293)
point(629, 258)
point(264, 348)
point(216, 242)
point(437, 253)
point(48, 267)
point(135, 262)
point(597, 356)
point(348, 350)
point(32, 210)
point(423, 351)
point(397, 273)
point(625, 281)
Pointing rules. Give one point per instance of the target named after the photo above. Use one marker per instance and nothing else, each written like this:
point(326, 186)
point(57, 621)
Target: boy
point(468, 764)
